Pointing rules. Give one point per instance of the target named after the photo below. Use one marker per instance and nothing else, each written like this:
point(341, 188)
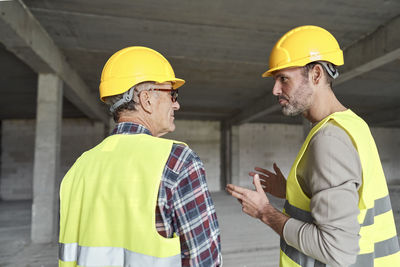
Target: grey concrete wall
point(388, 143)
point(18, 149)
point(263, 144)
point(17, 143)
point(253, 144)
point(204, 138)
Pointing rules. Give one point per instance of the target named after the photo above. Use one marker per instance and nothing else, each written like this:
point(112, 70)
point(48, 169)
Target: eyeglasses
point(174, 93)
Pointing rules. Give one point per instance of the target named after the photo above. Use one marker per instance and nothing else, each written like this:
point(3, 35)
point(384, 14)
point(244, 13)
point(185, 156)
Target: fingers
point(236, 195)
point(257, 184)
point(262, 177)
point(267, 172)
point(277, 170)
point(236, 188)
point(236, 191)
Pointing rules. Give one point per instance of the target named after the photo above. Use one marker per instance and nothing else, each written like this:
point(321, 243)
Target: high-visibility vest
point(107, 205)
point(378, 239)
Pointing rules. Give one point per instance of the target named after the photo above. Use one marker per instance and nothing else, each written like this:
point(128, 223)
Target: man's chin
point(172, 127)
point(289, 112)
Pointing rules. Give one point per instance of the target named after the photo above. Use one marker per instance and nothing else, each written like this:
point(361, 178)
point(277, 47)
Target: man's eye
point(284, 79)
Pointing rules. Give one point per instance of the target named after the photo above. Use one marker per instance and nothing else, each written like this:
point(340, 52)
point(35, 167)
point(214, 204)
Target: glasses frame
point(174, 93)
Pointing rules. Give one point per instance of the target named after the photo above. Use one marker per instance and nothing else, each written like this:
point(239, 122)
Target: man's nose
point(176, 105)
point(276, 90)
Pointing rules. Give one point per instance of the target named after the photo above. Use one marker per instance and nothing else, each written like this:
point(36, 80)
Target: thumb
point(276, 169)
point(257, 183)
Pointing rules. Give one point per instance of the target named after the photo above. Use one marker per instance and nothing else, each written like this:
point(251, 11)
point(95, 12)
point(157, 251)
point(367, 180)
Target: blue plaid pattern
point(184, 205)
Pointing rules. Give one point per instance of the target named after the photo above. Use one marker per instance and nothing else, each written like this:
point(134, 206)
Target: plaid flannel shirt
point(184, 204)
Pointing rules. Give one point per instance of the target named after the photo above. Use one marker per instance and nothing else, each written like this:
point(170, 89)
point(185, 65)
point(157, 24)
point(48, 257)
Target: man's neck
point(134, 118)
point(325, 103)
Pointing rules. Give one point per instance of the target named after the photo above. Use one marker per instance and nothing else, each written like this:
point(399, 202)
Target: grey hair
point(331, 71)
point(127, 100)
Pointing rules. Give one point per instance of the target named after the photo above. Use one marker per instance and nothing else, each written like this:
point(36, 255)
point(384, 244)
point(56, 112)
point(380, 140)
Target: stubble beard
point(299, 102)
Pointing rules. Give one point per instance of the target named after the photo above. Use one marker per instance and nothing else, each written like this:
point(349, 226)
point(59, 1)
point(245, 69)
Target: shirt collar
point(130, 128)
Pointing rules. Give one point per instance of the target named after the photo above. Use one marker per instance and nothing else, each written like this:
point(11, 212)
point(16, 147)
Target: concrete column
point(226, 154)
point(235, 155)
point(46, 159)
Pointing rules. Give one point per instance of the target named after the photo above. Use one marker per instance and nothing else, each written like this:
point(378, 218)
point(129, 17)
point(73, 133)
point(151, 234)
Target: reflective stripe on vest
point(110, 256)
point(383, 248)
point(378, 239)
point(382, 205)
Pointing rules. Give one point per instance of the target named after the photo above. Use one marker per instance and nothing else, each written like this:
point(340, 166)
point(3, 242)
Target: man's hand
point(254, 202)
point(273, 183)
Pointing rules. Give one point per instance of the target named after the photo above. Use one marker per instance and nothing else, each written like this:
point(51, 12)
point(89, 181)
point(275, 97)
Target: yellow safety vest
point(107, 205)
point(378, 242)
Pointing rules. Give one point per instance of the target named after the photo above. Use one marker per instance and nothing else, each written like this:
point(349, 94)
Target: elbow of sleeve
point(340, 261)
point(343, 255)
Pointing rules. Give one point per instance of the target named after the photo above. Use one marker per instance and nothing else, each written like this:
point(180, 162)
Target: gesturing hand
point(254, 202)
point(273, 183)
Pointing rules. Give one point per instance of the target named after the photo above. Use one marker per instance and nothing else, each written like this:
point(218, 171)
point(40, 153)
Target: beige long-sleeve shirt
point(330, 175)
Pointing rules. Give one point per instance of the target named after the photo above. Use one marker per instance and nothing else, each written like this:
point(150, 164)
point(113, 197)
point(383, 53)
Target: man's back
point(121, 194)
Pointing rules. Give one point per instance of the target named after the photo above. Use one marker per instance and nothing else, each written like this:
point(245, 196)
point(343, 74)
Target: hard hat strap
point(330, 68)
point(127, 97)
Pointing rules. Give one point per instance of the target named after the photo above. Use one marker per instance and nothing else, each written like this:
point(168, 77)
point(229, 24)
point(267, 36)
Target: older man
point(137, 199)
point(337, 209)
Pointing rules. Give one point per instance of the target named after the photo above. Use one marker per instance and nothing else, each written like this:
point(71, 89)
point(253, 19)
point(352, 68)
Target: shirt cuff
point(291, 231)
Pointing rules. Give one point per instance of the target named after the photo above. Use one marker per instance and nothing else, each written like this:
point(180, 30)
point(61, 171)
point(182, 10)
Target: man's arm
point(332, 176)
point(194, 218)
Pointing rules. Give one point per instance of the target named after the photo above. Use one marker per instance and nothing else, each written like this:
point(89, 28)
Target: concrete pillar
point(226, 154)
point(46, 159)
point(235, 155)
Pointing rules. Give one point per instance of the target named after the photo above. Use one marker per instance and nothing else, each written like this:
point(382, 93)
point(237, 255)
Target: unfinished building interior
point(51, 57)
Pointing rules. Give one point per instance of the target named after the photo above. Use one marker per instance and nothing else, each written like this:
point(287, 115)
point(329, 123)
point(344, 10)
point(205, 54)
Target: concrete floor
point(245, 242)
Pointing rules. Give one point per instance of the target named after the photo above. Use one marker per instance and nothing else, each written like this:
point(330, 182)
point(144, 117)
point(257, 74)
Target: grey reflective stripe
point(382, 249)
point(68, 252)
point(386, 247)
point(364, 260)
point(297, 213)
point(112, 256)
point(298, 257)
point(381, 206)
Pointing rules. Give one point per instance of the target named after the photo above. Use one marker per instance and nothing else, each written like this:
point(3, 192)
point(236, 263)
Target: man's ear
point(316, 74)
point(146, 101)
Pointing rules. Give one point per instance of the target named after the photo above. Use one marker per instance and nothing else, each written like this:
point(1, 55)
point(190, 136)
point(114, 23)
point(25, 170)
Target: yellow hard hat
point(303, 45)
point(133, 65)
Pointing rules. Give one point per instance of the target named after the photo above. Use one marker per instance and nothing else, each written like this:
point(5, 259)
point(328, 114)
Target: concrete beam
point(23, 35)
point(372, 51)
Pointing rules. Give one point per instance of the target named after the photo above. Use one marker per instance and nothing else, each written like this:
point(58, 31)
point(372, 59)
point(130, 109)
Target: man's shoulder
point(182, 157)
point(332, 130)
point(184, 152)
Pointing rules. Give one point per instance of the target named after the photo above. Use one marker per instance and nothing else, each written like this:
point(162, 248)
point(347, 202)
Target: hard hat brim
point(335, 57)
point(176, 83)
point(126, 83)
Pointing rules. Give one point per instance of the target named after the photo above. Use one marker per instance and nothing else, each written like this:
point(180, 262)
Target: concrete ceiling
point(220, 47)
